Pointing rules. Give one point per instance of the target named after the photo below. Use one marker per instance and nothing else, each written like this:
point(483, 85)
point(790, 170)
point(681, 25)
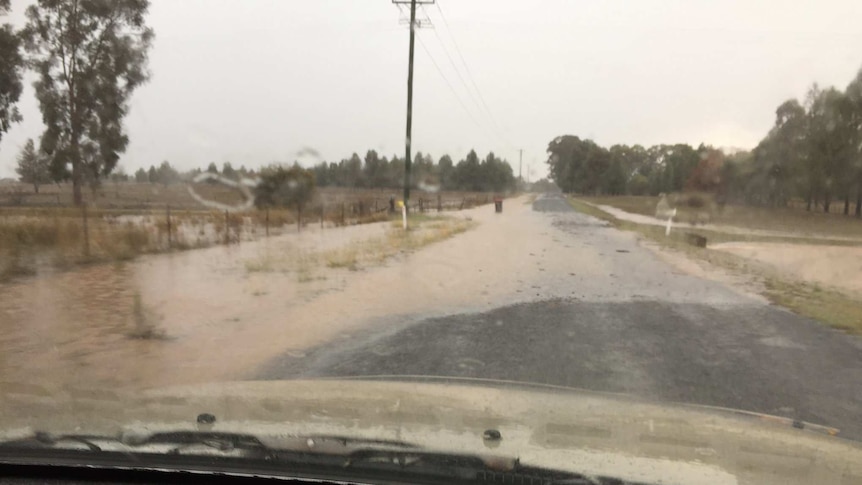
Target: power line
point(448, 83)
point(492, 130)
point(467, 69)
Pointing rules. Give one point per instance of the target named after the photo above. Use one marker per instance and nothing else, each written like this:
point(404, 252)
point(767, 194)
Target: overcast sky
point(257, 81)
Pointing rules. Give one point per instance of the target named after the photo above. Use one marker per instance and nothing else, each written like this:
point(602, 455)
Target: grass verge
point(355, 255)
point(831, 307)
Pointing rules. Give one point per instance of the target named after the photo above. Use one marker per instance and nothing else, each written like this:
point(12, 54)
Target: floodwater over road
point(219, 313)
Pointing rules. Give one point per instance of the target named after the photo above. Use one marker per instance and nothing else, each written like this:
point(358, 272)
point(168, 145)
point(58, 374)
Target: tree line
point(491, 174)
point(582, 166)
point(813, 153)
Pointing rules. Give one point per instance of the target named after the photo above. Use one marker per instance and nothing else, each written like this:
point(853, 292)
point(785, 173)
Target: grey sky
point(255, 81)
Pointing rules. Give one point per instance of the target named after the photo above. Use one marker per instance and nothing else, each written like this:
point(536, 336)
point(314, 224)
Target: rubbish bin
point(498, 204)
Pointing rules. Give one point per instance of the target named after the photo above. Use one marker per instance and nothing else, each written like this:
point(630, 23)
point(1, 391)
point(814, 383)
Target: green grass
point(831, 307)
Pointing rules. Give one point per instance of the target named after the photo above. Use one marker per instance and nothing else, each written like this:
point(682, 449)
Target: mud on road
point(610, 316)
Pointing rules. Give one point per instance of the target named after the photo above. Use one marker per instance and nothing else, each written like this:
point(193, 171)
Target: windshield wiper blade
point(333, 457)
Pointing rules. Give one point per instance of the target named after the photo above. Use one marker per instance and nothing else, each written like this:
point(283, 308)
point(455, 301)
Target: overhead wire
point(443, 75)
point(470, 76)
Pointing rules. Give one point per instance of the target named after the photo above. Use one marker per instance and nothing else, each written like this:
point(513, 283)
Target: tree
point(284, 187)
point(89, 56)
point(212, 168)
point(445, 167)
point(228, 171)
point(33, 166)
point(854, 97)
point(166, 174)
point(829, 138)
point(141, 176)
point(11, 67)
point(152, 175)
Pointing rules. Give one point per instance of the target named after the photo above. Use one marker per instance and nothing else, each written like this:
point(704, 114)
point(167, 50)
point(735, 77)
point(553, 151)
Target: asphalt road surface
point(630, 324)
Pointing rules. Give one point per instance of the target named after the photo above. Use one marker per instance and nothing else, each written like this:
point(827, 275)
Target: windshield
point(655, 200)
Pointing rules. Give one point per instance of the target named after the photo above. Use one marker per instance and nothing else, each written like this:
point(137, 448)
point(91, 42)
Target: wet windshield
point(656, 200)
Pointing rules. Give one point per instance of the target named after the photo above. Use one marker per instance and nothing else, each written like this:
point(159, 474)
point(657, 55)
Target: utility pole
point(408, 162)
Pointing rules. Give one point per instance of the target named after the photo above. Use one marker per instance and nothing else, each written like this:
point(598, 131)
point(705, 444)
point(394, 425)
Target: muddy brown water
point(220, 321)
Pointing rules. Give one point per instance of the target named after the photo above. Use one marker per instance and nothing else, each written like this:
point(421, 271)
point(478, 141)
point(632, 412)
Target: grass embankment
point(811, 300)
point(815, 225)
point(354, 255)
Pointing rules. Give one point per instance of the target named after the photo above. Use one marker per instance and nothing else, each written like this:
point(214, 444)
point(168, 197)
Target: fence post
point(321, 215)
point(439, 203)
point(168, 214)
point(86, 230)
point(299, 218)
point(226, 228)
point(342, 213)
point(267, 221)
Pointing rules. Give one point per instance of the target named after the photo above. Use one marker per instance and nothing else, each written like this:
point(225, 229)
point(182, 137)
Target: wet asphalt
point(725, 351)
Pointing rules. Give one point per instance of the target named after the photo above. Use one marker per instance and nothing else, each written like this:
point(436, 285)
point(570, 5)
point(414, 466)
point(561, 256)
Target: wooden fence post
point(322, 210)
point(168, 215)
point(342, 213)
point(299, 218)
point(226, 228)
point(439, 203)
point(86, 230)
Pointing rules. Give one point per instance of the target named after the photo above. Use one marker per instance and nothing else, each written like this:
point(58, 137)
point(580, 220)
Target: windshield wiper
point(326, 457)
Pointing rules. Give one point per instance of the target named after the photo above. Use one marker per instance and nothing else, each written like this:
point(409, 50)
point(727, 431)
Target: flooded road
point(216, 313)
point(219, 313)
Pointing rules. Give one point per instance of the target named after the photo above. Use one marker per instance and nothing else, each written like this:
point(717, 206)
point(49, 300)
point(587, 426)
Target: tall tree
point(828, 142)
point(33, 166)
point(854, 98)
point(90, 56)
point(228, 171)
point(11, 66)
point(141, 176)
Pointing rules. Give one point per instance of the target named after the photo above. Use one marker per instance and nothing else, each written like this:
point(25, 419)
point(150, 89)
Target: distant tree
point(280, 186)
point(90, 56)
point(614, 179)
point(829, 151)
point(119, 175)
point(11, 67)
point(445, 168)
point(638, 185)
point(166, 174)
point(212, 168)
point(352, 172)
point(706, 176)
point(854, 97)
point(228, 171)
point(141, 176)
point(544, 185)
point(152, 175)
point(33, 166)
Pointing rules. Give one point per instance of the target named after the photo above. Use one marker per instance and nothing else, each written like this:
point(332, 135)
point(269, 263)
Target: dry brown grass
point(785, 219)
point(424, 230)
point(39, 229)
point(831, 307)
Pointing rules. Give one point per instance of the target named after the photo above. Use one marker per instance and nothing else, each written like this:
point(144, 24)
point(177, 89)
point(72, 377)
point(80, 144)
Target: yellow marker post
point(403, 213)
